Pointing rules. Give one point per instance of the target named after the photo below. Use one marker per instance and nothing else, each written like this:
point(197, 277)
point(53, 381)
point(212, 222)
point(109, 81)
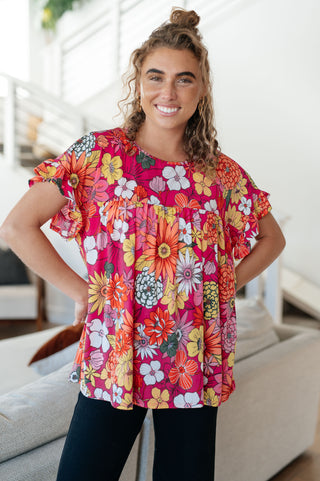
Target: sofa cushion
point(255, 328)
point(36, 413)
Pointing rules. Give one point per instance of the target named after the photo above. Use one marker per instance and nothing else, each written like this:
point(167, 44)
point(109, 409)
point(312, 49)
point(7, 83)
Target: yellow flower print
point(202, 184)
point(234, 218)
point(111, 168)
point(210, 398)
point(129, 249)
point(231, 359)
point(97, 292)
point(105, 374)
point(239, 190)
point(173, 299)
point(220, 233)
point(126, 402)
point(200, 237)
point(167, 213)
point(210, 300)
point(159, 399)
point(124, 371)
point(195, 347)
point(91, 374)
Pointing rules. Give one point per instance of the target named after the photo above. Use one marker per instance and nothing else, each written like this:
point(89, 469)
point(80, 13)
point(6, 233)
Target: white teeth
point(167, 110)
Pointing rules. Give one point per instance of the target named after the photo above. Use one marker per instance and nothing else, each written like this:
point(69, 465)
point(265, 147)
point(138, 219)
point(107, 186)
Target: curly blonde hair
point(200, 143)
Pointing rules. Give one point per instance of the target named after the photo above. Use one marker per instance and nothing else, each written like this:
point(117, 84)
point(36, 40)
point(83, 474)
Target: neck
point(164, 144)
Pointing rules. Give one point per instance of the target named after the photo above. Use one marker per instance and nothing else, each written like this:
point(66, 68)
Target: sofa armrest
point(273, 412)
point(36, 413)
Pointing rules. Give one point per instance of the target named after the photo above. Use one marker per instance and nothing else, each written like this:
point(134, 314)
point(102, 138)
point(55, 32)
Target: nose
point(168, 90)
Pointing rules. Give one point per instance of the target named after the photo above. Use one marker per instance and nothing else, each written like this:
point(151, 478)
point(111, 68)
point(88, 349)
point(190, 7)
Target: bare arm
point(270, 243)
point(21, 231)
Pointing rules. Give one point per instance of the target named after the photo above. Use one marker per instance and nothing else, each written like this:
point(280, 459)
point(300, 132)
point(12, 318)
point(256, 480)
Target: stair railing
point(34, 119)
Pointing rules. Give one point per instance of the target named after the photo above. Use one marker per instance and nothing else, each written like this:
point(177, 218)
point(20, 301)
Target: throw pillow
point(56, 352)
point(255, 328)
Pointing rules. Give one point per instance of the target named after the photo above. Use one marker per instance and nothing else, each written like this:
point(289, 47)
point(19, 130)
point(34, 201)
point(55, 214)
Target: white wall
point(265, 60)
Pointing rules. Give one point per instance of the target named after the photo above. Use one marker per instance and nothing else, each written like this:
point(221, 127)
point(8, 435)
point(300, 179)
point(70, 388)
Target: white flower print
point(125, 188)
point(148, 290)
point(188, 273)
point(245, 205)
point(175, 176)
point(99, 394)
point(153, 200)
point(151, 372)
point(185, 231)
point(103, 211)
point(89, 245)
point(188, 400)
point(116, 393)
point(119, 230)
point(211, 206)
point(142, 346)
point(98, 335)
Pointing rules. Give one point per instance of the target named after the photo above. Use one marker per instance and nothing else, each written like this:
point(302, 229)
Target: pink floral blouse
point(159, 241)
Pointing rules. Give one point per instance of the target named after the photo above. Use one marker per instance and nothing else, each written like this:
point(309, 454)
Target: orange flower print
point(226, 283)
point(123, 343)
point(102, 141)
point(163, 249)
point(183, 371)
point(80, 173)
point(158, 326)
point(228, 171)
point(116, 292)
point(211, 228)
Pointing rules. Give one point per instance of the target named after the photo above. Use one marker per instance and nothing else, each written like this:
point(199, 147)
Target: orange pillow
point(60, 341)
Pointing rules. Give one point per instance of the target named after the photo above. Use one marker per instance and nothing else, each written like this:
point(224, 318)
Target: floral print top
point(159, 241)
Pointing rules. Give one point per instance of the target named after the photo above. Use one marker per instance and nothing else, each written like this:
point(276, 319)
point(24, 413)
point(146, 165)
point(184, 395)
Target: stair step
point(300, 292)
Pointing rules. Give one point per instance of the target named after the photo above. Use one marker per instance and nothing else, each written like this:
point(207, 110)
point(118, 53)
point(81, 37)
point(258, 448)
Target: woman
point(159, 214)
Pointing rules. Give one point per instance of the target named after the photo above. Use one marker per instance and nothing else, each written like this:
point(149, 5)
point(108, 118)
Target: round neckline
point(172, 162)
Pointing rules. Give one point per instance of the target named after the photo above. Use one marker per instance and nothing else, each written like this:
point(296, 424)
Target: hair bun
point(184, 18)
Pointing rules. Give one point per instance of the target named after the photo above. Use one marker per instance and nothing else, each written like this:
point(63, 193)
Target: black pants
point(100, 439)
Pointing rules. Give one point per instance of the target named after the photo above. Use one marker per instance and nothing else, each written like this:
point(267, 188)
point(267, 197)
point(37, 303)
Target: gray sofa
point(268, 421)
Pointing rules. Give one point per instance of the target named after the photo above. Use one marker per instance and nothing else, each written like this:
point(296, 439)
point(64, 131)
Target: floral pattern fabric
point(159, 241)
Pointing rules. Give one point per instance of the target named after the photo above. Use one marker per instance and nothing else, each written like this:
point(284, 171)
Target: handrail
point(45, 96)
point(37, 121)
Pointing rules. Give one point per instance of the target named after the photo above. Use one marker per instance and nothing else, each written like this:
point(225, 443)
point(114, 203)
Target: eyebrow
point(180, 74)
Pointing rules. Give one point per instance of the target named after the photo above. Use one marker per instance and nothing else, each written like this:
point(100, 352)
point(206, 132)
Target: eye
point(184, 80)
point(155, 78)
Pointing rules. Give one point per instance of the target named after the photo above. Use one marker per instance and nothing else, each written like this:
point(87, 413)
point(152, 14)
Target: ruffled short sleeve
point(73, 173)
point(246, 204)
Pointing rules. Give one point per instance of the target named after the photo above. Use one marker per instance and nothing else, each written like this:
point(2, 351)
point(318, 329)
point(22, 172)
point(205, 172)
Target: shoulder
point(229, 171)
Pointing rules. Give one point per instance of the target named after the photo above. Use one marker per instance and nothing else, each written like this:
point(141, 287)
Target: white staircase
point(35, 125)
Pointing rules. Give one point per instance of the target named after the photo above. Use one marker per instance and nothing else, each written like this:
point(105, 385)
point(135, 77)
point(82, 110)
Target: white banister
point(36, 124)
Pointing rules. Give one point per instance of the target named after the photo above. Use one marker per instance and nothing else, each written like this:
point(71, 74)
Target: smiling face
point(170, 87)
